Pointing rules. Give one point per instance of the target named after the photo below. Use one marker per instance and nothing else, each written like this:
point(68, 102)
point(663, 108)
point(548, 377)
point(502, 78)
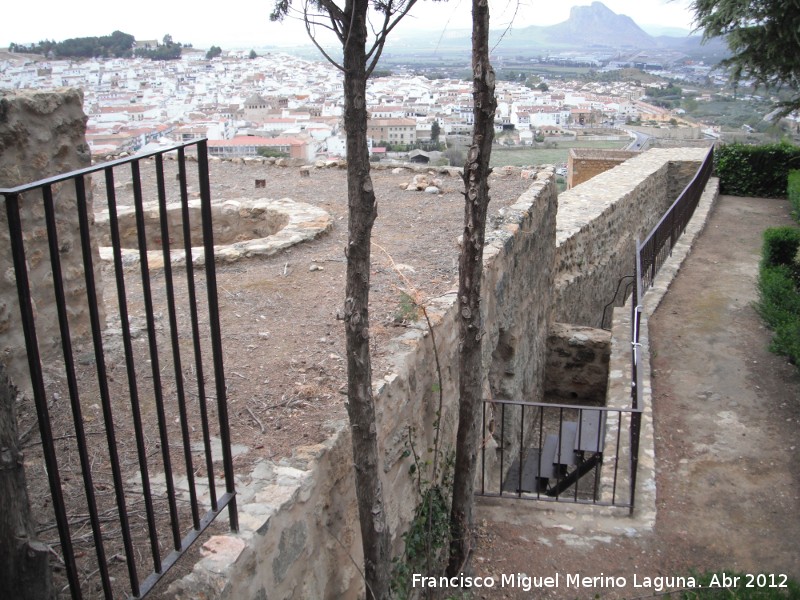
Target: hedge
point(759, 171)
point(793, 191)
point(780, 246)
point(779, 290)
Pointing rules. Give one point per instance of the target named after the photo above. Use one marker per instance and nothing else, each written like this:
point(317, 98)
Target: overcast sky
point(246, 24)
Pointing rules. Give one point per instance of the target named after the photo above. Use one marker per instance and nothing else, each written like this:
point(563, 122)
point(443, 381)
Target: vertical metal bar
point(541, 449)
point(616, 459)
point(216, 336)
point(600, 442)
point(483, 451)
point(502, 444)
point(102, 380)
point(130, 367)
point(176, 347)
point(636, 422)
point(653, 261)
point(154, 363)
point(39, 395)
point(201, 385)
point(580, 441)
point(558, 451)
point(72, 386)
point(521, 447)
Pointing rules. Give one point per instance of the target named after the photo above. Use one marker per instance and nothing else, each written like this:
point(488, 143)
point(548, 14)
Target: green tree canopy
point(763, 38)
point(118, 45)
point(213, 52)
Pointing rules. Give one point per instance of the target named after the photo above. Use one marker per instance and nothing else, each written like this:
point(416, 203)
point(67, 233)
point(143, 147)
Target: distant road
point(640, 141)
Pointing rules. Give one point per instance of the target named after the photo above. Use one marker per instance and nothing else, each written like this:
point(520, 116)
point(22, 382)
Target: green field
point(526, 156)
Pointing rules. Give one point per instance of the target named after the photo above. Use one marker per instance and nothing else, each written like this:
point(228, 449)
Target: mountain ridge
point(593, 27)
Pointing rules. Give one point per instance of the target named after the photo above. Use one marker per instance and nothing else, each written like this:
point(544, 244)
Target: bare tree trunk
point(476, 182)
point(24, 562)
point(360, 407)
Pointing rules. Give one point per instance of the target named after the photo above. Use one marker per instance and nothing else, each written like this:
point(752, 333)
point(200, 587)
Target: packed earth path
point(727, 444)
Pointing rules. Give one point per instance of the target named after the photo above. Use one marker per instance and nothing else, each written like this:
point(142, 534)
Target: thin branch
point(378, 46)
point(352, 560)
point(313, 38)
point(508, 28)
point(312, 35)
point(257, 420)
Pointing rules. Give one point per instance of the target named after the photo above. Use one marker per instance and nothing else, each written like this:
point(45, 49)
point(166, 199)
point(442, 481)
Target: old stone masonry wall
point(599, 222)
point(41, 135)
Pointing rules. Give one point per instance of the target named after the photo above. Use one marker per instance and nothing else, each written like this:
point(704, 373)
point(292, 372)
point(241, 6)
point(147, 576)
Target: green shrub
point(793, 191)
point(779, 306)
point(761, 171)
point(781, 245)
point(779, 300)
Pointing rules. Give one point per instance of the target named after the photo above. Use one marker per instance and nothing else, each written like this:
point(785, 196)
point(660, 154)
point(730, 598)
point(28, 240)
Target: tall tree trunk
point(24, 562)
point(360, 407)
point(476, 182)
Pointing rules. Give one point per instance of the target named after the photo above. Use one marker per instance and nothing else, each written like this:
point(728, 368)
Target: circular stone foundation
point(242, 229)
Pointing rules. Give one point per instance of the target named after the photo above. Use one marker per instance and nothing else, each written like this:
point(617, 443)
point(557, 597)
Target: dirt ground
point(726, 416)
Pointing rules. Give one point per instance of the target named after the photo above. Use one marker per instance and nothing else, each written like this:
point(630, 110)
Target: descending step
point(591, 431)
point(537, 469)
point(564, 457)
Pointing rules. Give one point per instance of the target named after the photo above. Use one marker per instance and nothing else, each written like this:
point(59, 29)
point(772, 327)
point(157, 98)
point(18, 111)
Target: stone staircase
point(563, 459)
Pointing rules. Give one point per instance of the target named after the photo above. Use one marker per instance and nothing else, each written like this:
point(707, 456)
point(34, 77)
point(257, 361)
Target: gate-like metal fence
point(144, 385)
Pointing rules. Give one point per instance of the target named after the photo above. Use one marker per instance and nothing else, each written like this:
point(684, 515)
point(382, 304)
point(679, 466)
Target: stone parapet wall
point(42, 135)
point(598, 224)
point(672, 133)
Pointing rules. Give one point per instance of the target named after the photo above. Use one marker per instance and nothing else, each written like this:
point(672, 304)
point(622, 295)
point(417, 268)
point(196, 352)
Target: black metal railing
point(558, 453)
point(658, 245)
point(150, 493)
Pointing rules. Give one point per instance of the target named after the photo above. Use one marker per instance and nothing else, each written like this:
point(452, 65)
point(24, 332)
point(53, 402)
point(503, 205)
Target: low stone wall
point(599, 222)
point(242, 229)
point(577, 364)
point(42, 135)
point(672, 133)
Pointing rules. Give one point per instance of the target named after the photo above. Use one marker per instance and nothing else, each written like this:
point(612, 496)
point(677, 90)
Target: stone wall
point(672, 133)
point(585, 163)
point(577, 364)
point(599, 222)
point(41, 135)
